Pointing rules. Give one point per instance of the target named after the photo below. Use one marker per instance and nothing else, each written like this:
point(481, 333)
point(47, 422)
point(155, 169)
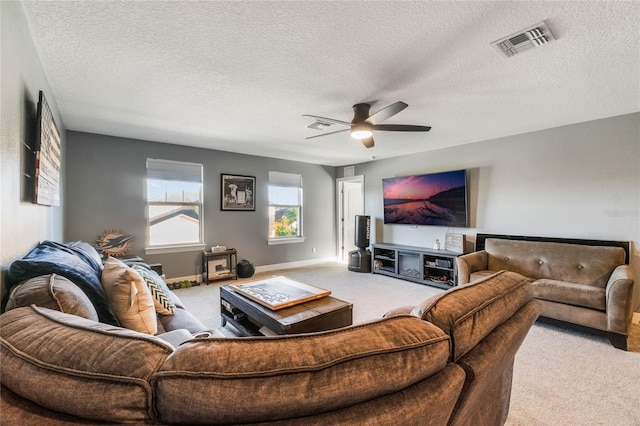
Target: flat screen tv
point(437, 199)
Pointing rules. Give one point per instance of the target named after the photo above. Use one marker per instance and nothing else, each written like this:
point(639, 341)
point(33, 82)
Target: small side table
point(219, 265)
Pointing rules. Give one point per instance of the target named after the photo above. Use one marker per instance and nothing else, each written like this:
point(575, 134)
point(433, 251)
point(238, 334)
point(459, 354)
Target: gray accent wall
point(577, 181)
point(106, 189)
point(22, 223)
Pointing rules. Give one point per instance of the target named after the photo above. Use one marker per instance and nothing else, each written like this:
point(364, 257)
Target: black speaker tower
point(360, 260)
point(363, 228)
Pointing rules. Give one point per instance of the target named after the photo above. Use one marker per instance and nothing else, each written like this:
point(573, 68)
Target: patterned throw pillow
point(159, 290)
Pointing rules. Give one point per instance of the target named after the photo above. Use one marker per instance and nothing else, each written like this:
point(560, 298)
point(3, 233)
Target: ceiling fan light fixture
point(361, 131)
point(363, 123)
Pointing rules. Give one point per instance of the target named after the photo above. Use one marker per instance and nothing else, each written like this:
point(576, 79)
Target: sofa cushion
point(159, 290)
point(74, 261)
point(586, 296)
point(180, 319)
point(480, 274)
point(251, 379)
point(107, 367)
point(129, 297)
point(469, 313)
point(580, 264)
point(53, 292)
point(176, 300)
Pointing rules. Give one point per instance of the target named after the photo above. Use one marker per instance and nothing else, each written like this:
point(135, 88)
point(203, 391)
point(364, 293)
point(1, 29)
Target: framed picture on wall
point(238, 192)
point(47, 156)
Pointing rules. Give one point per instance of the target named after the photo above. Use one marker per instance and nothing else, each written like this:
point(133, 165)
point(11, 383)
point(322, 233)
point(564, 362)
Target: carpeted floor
point(633, 341)
point(561, 376)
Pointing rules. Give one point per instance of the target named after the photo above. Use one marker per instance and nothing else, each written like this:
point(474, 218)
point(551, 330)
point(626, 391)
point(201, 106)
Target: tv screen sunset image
point(438, 199)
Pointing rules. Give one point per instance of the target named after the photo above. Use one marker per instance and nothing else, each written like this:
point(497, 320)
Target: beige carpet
point(561, 376)
point(633, 341)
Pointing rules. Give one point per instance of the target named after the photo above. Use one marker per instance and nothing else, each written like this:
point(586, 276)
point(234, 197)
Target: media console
point(418, 264)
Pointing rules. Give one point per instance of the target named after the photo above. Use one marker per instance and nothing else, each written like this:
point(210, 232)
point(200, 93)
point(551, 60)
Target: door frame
point(340, 255)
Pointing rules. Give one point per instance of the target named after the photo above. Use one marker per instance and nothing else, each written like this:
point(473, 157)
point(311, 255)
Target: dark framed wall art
point(47, 151)
point(238, 192)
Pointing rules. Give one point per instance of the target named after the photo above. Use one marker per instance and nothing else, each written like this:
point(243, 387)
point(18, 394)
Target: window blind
point(292, 180)
point(174, 170)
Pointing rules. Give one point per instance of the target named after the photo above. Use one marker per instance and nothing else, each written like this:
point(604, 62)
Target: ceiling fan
point(363, 124)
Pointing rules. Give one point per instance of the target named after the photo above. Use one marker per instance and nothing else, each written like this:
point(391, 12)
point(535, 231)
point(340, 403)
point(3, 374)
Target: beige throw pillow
point(129, 297)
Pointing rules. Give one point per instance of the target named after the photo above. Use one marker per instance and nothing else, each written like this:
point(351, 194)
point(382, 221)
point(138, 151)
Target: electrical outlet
point(313, 250)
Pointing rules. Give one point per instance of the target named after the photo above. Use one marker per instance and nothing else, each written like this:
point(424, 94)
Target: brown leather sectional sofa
point(448, 360)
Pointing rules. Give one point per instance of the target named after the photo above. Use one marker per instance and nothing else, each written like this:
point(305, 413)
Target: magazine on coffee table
point(279, 292)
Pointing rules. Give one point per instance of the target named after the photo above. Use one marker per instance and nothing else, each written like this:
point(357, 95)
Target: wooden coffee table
point(248, 317)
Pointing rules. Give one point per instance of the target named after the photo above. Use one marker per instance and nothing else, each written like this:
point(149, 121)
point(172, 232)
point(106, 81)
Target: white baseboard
point(263, 268)
point(291, 265)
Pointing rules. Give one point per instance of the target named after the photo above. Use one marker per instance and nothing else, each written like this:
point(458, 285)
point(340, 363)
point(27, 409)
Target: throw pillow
point(159, 290)
point(54, 292)
point(129, 297)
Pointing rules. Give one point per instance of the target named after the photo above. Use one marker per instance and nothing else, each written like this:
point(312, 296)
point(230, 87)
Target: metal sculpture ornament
point(114, 242)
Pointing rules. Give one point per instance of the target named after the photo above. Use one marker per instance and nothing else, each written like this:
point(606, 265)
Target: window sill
point(174, 249)
point(292, 240)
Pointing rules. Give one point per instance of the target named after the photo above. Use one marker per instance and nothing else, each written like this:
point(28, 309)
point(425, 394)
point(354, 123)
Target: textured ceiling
point(237, 76)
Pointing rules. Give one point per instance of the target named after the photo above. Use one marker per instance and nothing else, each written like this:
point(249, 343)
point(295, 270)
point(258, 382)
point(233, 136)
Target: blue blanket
point(77, 261)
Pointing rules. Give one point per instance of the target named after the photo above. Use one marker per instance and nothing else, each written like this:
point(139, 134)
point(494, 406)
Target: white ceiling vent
point(534, 36)
point(319, 125)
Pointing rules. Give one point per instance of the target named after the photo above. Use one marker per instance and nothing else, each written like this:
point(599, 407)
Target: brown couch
point(451, 365)
point(576, 281)
point(68, 277)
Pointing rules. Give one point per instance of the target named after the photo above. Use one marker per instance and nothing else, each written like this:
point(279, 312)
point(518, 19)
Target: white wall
point(577, 181)
point(22, 224)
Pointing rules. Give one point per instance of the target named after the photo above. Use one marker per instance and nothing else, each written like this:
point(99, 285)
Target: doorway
point(350, 202)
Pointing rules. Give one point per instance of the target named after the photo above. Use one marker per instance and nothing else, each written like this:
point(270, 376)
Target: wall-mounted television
point(436, 199)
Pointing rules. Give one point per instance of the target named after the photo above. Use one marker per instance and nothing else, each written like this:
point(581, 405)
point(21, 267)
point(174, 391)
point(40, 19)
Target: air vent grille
point(319, 125)
point(535, 35)
point(520, 38)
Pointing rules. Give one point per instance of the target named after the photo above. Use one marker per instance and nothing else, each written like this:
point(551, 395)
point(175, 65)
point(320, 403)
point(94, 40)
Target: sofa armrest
point(402, 310)
point(176, 337)
point(469, 263)
point(619, 298)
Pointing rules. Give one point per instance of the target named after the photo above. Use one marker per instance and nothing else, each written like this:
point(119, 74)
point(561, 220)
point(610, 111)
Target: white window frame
point(179, 171)
point(291, 180)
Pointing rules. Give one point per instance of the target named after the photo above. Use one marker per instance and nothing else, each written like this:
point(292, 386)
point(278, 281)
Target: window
point(174, 206)
point(285, 207)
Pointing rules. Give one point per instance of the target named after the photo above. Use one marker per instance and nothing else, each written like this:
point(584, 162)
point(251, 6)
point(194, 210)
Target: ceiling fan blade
point(328, 120)
point(401, 128)
point(386, 112)
point(330, 133)
point(368, 142)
